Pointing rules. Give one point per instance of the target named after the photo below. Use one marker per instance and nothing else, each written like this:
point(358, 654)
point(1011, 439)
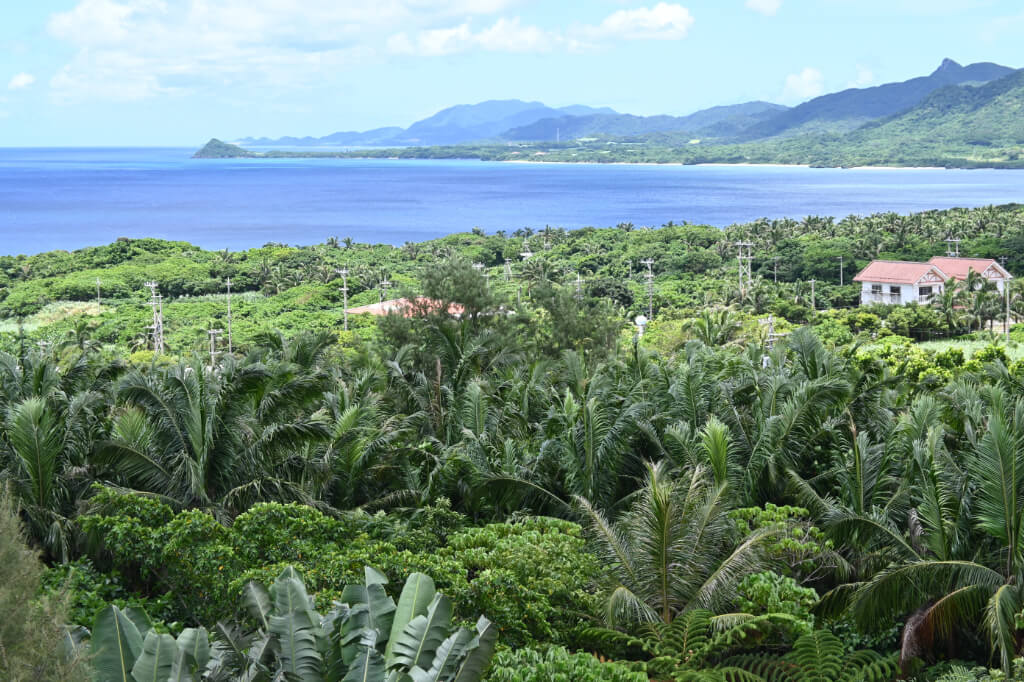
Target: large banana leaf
point(367, 667)
point(116, 643)
point(418, 642)
point(289, 596)
point(140, 618)
point(446, 660)
point(157, 659)
point(417, 594)
point(380, 611)
point(479, 652)
point(257, 602)
point(192, 655)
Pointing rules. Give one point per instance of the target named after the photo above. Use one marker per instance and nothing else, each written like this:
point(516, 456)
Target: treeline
point(276, 286)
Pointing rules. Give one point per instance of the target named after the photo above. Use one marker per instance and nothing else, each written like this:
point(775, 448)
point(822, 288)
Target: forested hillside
point(509, 482)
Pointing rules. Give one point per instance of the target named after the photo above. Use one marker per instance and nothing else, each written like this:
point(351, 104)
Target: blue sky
point(177, 72)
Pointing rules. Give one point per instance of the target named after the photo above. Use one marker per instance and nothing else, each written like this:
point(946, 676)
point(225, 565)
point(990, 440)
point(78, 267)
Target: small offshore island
point(957, 117)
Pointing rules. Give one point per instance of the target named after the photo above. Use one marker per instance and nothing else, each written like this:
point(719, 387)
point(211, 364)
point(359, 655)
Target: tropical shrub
point(556, 664)
point(532, 577)
point(366, 636)
point(34, 643)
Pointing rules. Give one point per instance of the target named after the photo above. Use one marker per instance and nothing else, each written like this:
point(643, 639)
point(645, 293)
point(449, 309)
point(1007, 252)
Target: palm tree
point(935, 575)
point(714, 328)
point(674, 549)
point(215, 439)
point(52, 420)
point(947, 302)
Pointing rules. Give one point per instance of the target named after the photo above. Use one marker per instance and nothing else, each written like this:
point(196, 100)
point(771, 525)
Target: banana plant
point(366, 637)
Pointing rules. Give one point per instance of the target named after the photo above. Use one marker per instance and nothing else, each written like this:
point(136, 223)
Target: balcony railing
point(897, 299)
point(887, 299)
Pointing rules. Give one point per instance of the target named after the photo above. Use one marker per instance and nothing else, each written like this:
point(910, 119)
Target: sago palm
point(934, 572)
point(676, 548)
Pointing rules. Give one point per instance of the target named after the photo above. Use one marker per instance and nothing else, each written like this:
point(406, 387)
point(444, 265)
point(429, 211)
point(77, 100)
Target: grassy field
point(1015, 350)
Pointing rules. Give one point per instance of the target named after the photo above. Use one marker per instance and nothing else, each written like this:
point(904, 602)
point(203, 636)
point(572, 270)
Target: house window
point(876, 289)
point(924, 291)
point(894, 292)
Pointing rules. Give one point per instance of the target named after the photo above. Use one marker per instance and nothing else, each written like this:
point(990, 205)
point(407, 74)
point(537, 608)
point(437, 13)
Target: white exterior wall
point(908, 293)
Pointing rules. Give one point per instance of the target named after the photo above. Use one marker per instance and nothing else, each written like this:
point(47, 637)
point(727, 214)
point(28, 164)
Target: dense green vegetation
point(701, 503)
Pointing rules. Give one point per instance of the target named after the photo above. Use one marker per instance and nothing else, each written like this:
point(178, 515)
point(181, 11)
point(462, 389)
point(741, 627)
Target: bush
point(557, 665)
point(532, 578)
point(33, 627)
point(769, 592)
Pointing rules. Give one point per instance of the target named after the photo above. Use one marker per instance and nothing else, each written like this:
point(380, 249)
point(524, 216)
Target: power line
point(650, 287)
point(744, 258)
point(213, 334)
point(230, 346)
point(344, 293)
point(157, 303)
point(953, 246)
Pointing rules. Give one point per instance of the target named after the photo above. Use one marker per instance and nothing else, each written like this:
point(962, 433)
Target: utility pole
point(650, 287)
point(772, 335)
point(952, 247)
point(479, 267)
point(840, 271)
point(775, 271)
point(1006, 295)
point(213, 334)
point(812, 295)
point(744, 257)
point(98, 303)
point(384, 284)
point(508, 270)
point(579, 288)
point(157, 303)
point(344, 293)
point(231, 348)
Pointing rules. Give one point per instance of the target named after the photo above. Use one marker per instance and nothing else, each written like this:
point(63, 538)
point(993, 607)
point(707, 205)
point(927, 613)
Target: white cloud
point(864, 78)
point(132, 49)
point(21, 80)
point(765, 7)
point(804, 85)
point(664, 21)
point(505, 35)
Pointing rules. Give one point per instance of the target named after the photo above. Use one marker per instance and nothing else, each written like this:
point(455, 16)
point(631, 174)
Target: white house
point(898, 282)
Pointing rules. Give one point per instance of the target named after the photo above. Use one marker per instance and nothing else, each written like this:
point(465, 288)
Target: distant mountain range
point(847, 110)
point(455, 125)
point(965, 116)
point(514, 120)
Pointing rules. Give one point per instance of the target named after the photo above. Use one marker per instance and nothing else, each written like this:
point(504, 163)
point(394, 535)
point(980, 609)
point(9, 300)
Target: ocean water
point(70, 198)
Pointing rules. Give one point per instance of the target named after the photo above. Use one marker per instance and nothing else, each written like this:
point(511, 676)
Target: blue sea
point(70, 198)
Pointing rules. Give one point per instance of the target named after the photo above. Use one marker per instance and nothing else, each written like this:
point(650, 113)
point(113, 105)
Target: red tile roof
point(404, 306)
point(958, 267)
point(897, 272)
